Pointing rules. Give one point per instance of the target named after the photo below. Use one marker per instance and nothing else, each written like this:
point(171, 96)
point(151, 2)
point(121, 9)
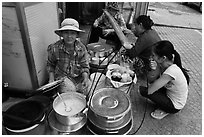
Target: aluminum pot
point(99, 54)
point(76, 107)
point(110, 103)
point(64, 129)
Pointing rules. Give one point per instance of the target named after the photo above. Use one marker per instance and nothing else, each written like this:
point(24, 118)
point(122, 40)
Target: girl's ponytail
point(177, 61)
point(166, 48)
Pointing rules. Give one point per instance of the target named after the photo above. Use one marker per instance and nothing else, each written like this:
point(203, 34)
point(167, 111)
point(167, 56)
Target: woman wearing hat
point(68, 57)
point(103, 28)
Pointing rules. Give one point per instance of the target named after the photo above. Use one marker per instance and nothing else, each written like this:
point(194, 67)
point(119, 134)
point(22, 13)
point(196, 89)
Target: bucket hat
point(68, 24)
point(113, 5)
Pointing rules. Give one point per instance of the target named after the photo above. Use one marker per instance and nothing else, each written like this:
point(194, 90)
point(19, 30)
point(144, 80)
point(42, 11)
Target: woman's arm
point(99, 20)
point(51, 63)
point(141, 45)
point(159, 83)
point(83, 57)
point(85, 75)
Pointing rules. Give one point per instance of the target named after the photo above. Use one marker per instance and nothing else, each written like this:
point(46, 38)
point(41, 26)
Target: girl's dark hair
point(166, 48)
point(147, 23)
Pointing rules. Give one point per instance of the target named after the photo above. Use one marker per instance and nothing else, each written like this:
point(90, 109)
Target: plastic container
point(97, 81)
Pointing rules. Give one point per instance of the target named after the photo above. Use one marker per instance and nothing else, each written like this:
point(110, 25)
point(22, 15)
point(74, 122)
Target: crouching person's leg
point(162, 101)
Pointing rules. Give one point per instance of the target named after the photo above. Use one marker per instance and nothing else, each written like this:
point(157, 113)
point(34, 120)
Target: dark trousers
point(97, 32)
point(160, 98)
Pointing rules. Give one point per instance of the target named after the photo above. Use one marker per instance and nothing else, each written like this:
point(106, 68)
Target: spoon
point(66, 108)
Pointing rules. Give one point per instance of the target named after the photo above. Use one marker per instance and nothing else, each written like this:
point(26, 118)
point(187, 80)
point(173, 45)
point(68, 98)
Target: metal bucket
point(75, 103)
point(59, 128)
point(110, 112)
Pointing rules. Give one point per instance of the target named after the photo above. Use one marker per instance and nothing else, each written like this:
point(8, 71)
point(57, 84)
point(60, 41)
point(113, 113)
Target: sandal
point(159, 114)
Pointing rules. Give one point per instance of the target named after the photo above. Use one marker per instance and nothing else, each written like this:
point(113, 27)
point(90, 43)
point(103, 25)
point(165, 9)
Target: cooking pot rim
point(25, 129)
point(81, 96)
point(21, 126)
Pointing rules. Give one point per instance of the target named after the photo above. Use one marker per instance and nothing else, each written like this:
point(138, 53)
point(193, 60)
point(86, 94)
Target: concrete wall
point(14, 64)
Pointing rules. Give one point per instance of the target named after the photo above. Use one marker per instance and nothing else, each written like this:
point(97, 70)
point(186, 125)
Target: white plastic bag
point(116, 84)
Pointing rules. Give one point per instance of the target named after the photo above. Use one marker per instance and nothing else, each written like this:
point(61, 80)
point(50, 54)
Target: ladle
point(65, 105)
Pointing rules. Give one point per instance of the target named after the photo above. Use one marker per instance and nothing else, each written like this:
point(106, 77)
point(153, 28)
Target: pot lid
point(99, 47)
point(110, 102)
point(75, 103)
point(23, 115)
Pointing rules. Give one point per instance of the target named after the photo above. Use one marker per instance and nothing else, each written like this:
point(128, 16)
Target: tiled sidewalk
point(189, 120)
point(188, 42)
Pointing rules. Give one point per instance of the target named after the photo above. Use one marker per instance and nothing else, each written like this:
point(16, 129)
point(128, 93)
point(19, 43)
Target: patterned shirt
point(61, 60)
point(104, 22)
point(143, 45)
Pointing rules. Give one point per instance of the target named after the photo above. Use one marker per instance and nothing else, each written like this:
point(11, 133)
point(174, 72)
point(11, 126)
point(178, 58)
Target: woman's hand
point(127, 45)
point(86, 82)
point(85, 86)
point(95, 24)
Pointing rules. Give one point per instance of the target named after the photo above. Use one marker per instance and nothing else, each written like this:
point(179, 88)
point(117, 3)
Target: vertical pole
point(141, 9)
point(27, 45)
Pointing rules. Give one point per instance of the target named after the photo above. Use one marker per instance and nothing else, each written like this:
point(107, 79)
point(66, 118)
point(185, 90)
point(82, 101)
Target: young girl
point(170, 91)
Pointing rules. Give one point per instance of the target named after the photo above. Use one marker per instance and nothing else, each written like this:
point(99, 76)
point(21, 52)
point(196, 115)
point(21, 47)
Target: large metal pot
point(110, 111)
point(75, 103)
point(25, 117)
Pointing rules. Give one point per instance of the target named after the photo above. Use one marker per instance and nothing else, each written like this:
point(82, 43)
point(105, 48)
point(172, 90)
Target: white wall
point(42, 20)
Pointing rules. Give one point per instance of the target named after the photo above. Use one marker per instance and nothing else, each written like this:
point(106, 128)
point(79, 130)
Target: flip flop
point(159, 114)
